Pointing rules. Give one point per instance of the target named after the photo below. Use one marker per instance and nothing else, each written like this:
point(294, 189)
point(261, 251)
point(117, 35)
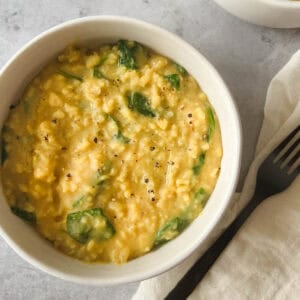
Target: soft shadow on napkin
point(281, 115)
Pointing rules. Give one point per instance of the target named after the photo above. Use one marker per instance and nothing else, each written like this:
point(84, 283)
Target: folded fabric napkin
point(263, 260)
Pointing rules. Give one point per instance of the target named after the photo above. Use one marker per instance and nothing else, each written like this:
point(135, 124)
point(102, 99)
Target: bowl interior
point(98, 30)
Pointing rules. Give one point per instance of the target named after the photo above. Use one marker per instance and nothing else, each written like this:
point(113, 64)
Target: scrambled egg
point(110, 152)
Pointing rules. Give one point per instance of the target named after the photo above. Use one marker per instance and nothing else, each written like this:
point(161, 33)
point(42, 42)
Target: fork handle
point(191, 279)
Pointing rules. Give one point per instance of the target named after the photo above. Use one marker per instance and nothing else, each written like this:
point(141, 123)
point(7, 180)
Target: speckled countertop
point(247, 56)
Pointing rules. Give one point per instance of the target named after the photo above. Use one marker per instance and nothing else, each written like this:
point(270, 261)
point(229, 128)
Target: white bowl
point(21, 68)
point(271, 13)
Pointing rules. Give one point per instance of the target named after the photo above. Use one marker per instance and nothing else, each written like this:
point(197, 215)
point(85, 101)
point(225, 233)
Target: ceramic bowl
point(21, 68)
point(271, 13)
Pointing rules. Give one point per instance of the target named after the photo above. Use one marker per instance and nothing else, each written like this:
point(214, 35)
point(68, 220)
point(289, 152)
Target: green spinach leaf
point(199, 164)
point(170, 230)
point(127, 54)
point(78, 202)
point(181, 69)
point(96, 71)
point(201, 197)
point(69, 75)
point(174, 80)
point(211, 123)
point(138, 102)
point(98, 74)
point(86, 225)
point(119, 135)
point(23, 214)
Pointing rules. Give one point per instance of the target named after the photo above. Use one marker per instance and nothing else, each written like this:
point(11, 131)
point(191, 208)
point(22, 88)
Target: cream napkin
point(263, 260)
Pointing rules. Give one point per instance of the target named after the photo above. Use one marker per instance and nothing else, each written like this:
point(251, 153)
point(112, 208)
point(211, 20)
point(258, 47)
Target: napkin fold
point(263, 260)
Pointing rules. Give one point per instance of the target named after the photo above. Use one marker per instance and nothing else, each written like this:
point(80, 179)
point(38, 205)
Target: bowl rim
point(269, 13)
point(282, 4)
point(276, 3)
point(227, 197)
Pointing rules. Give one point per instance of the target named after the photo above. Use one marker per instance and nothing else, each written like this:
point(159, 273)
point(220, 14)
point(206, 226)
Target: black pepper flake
point(151, 191)
point(17, 137)
point(190, 115)
point(46, 138)
point(54, 121)
point(157, 164)
point(152, 148)
point(95, 140)
point(69, 175)
point(190, 122)
point(146, 180)
point(115, 155)
point(12, 106)
point(131, 195)
point(152, 199)
point(63, 148)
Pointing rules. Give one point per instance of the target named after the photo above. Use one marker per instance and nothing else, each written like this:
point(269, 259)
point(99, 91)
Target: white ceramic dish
point(271, 13)
point(101, 29)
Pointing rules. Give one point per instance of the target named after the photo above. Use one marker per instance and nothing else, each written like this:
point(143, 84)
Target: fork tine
point(291, 156)
point(295, 166)
point(286, 144)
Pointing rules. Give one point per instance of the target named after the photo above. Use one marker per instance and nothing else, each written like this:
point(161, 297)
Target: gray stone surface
point(247, 56)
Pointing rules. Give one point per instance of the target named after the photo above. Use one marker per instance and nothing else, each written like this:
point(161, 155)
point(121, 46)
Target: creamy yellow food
point(110, 152)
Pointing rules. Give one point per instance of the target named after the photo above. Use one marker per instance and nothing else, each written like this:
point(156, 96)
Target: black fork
point(274, 175)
